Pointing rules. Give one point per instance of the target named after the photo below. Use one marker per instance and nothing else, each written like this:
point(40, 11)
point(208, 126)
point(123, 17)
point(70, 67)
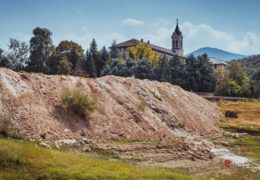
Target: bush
point(5, 123)
point(78, 102)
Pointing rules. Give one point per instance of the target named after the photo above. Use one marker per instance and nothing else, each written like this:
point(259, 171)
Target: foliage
point(143, 51)
point(78, 102)
point(99, 63)
point(199, 74)
point(18, 55)
point(143, 69)
point(113, 51)
point(222, 78)
point(41, 48)
point(120, 68)
point(162, 68)
point(68, 55)
point(95, 60)
point(176, 72)
point(235, 82)
point(64, 66)
point(252, 66)
point(4, 62)
point(91, 65)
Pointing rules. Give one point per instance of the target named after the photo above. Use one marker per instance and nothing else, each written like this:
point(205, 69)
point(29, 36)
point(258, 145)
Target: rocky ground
point(128, 108)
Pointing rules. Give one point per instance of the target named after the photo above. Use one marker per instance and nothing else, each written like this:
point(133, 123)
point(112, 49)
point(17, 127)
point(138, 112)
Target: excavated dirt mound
point(128, 108)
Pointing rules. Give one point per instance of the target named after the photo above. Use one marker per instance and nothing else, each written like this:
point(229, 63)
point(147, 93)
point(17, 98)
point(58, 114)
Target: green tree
point(99, 64)
point(222, 79)
point(206, 78)
point(104, 58)
point(176, 72)
point(40, 49)
point(91, 66)
point(72, 50)
point(162, 68)
point(74, 55)
point(18, 55)
point(143, 69)
point(241, 78)
point(113, 51)
point(4, 62)
point(143, 51)
point(64, 66)
point(191, 73)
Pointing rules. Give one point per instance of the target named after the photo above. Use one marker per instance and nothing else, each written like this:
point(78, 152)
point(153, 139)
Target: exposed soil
point(128, 108)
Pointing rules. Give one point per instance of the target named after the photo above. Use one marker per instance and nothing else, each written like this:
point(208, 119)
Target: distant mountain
point(218, 53)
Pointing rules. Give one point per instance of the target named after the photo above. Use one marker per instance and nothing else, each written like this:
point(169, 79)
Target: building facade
point(177, 45)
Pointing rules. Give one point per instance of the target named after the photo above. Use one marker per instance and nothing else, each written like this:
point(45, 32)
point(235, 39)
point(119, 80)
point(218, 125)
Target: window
point(176, 45)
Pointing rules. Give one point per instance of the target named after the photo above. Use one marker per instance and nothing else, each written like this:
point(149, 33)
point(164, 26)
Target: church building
point(177, 45)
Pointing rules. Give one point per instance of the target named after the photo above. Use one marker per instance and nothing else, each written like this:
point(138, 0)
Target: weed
point(78, 102)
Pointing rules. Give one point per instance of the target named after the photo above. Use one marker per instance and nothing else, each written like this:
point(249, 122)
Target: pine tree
point(104, 59)
point(99, 64)
point(143, 70)
point(91, 66)
point(176, 72)
point(161, 70)
point(206, 78)
point(114, 52)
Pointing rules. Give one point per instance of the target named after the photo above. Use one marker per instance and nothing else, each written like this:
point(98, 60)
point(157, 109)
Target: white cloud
point(85, 37)
point(202, 35)
point(132, 22)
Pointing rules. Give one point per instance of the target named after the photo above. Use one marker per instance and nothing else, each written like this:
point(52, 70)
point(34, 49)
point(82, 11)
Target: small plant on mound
point(78, 102)
point(5, 123)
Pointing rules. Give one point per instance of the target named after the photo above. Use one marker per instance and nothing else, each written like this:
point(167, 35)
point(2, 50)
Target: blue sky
point(231, 25)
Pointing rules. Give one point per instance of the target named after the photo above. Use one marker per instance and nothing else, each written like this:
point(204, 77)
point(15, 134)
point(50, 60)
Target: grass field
point(248, 116)
point(26, 160)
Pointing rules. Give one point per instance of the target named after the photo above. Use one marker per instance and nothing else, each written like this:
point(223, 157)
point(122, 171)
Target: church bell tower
point(177, 41)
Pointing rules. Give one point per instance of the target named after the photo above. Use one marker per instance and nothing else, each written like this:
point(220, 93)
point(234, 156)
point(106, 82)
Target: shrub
point(78, 102)
point(5, 123)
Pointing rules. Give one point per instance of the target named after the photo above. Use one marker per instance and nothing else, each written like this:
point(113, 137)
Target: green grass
point(249, 146)
point(24, 160)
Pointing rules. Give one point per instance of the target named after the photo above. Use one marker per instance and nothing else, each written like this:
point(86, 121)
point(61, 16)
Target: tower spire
point(177, 40)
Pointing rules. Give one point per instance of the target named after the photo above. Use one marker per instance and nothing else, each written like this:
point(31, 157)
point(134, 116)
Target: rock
point(86, 149)
point(86, 141)
point(56, 144)
point(66, 130)
point(67, 142)
point(44, 144)
point(211, 156)
point(43, 135)
point(231, 114)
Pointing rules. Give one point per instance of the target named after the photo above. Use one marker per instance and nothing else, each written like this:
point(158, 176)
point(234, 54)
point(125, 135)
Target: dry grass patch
point(248, 115)
point(78, 101)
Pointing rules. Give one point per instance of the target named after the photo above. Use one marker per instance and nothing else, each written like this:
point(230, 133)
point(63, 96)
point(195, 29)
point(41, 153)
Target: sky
point(231, 25)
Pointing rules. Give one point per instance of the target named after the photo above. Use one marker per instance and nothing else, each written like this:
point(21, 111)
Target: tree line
point(69, 58)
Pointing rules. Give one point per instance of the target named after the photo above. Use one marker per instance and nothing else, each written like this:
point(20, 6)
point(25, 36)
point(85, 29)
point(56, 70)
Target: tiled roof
point(134, 42)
